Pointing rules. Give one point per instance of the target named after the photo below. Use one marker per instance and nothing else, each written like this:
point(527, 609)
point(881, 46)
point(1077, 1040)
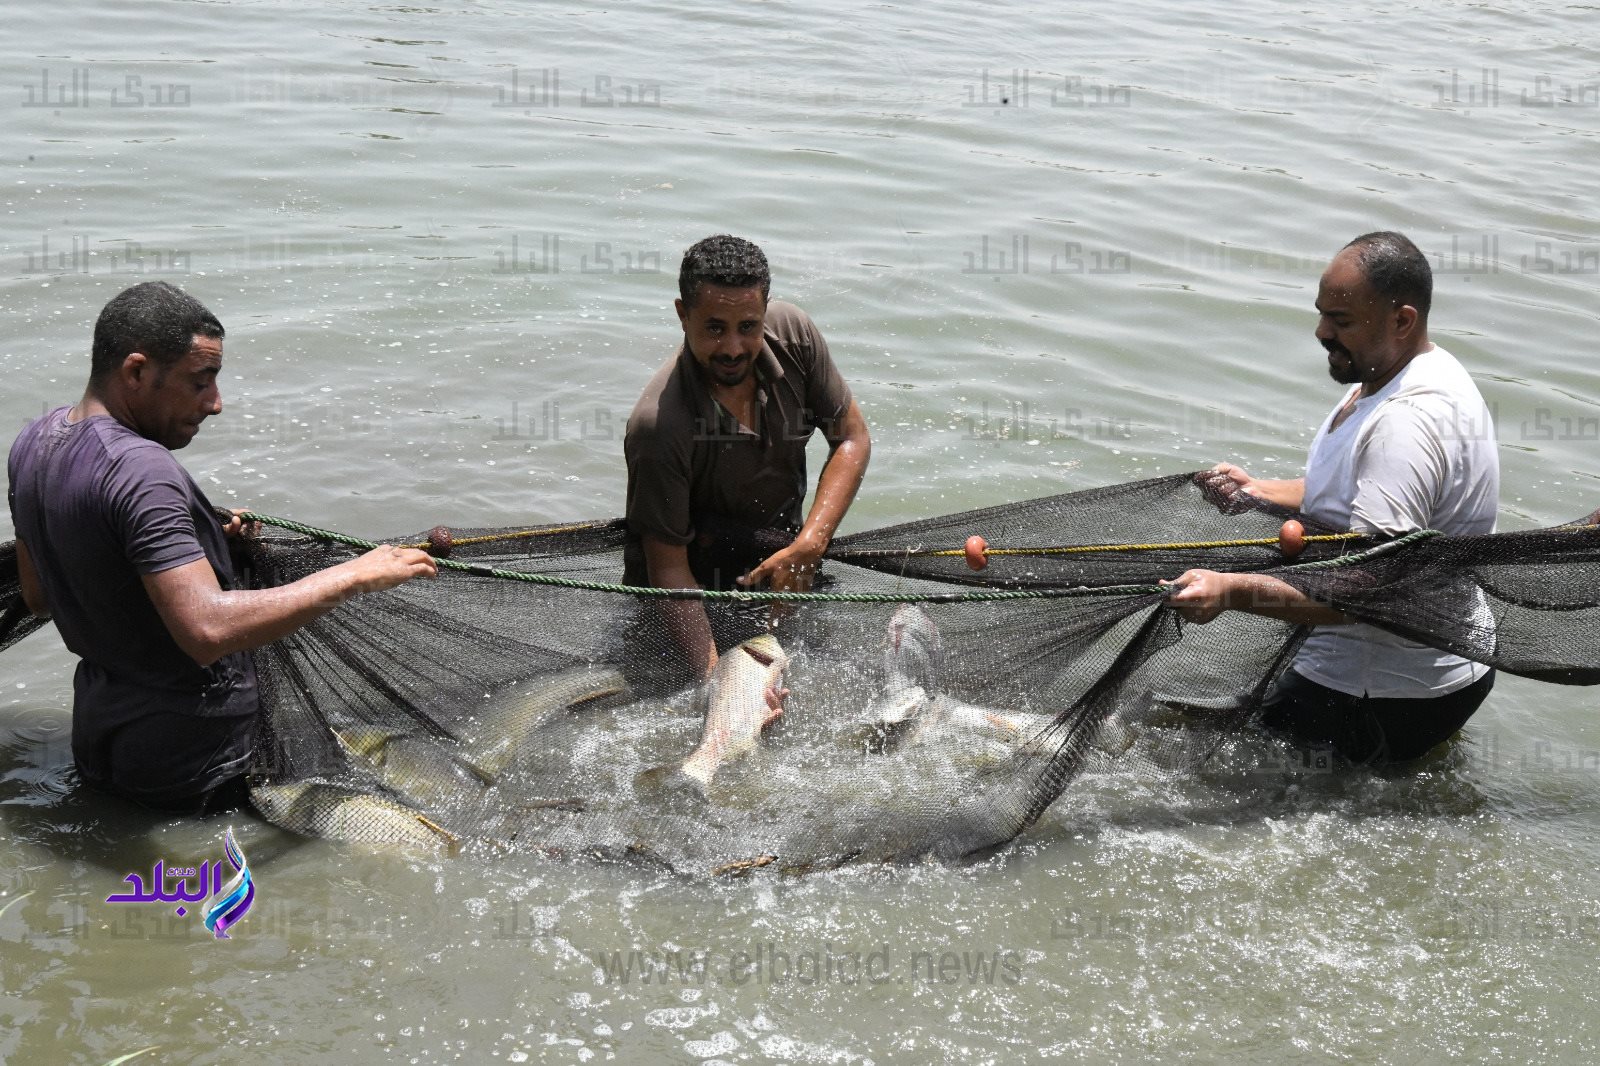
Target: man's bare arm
point(1202, 595)
point(668, 565)
point(1226, 483)
point(208, 622)
point(32, 590)
point(792, 568)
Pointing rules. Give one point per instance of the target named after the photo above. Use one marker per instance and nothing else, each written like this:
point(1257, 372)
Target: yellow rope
point(519, 535)
point(1180, 546)
point(1072, 549)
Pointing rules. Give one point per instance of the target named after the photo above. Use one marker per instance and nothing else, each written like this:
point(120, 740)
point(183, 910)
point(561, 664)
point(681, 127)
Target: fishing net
point(524, 701)
point(15, 620)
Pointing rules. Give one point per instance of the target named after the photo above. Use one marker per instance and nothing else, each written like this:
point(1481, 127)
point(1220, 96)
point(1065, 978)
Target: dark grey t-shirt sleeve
point(149, 510)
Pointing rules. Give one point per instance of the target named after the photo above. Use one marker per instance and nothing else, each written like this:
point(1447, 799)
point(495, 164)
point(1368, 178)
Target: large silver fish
point(422, 770)
point(315, 808)
point(743, 696)
point(496, 736)
point(911, 708)
point(913, 657)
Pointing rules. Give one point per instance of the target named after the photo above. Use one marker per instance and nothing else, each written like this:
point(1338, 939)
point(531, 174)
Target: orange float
point(977, 552)
point(1292, 538)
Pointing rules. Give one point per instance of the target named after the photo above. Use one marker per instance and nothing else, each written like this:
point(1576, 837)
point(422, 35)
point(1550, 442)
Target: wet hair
point(1396, 269)
point(731, 262)
point(153, 317)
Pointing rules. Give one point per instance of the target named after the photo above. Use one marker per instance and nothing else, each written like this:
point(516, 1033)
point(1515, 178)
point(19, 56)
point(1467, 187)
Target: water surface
point(1052, 246)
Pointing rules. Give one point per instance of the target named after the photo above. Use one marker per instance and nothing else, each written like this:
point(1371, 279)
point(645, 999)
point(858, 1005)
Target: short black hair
point(153, 317)
point(1396, 269)
point(731, 262)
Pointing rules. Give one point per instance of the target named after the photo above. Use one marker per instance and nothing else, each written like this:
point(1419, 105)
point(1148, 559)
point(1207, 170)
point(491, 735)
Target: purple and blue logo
point(225, 904)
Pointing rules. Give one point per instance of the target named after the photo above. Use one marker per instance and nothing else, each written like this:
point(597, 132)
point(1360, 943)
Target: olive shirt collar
point(711, 413)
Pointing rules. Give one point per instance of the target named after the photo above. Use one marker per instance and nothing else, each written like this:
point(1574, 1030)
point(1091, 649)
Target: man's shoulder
point(122, 451)
point(1436, 372)
point(104, 457)
point(661, 408)
point(35, 431)
point(787, 322)
point(1435, 384)
point(782, 311)
point(796, 342)
point(119, 440)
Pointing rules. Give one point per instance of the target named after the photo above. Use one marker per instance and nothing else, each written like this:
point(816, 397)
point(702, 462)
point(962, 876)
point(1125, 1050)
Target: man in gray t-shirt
point(102, 506)
point(118, 545)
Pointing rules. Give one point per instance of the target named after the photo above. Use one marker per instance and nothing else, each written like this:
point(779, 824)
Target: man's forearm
point(836, 491)
point(1290, 493)
point(208, 622)
point(690, 630)
point(686, 621)
point(1271, 598)
point(841, 478)
point(250, 618)
point(32, 590)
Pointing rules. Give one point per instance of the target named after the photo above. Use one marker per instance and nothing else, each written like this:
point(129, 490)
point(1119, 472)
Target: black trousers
point(1367, 730)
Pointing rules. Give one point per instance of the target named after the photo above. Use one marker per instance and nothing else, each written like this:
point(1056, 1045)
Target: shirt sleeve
point(12, 466)
point(827, 396)
point(658, 483)
point(1400, 469)
point(149, 510)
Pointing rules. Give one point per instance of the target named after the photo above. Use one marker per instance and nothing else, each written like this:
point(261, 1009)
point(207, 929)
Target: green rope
point(1382, 549)
point(989, 595)
point(986, 596)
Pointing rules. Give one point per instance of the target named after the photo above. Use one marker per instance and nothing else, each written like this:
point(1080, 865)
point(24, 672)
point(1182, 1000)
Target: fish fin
point(366, 741)
point(673, 787)
point(452, 842)
point(1165, 710)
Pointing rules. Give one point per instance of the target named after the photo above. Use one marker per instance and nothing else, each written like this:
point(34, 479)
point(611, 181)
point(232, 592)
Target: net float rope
point(1085, 549)
point(439, 533)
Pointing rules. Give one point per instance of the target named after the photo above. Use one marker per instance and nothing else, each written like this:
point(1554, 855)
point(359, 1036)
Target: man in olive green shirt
point(716, 444)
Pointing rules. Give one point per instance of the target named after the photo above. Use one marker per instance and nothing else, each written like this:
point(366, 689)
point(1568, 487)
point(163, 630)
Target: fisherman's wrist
point(812, 542)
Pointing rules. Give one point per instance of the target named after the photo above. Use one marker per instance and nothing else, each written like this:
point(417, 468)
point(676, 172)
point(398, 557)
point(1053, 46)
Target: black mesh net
point(933, 710)
point(15, 620)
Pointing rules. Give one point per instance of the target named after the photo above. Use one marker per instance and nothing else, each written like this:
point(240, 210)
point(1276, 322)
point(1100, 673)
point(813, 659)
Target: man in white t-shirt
point(1409, 447)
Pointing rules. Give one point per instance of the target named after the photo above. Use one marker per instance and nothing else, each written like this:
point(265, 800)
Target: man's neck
point(94, 404)
point(740, 394)
point(1373, 387)
point(738, 400)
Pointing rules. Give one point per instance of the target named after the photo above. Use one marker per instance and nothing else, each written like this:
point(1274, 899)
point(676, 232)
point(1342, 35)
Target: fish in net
point(934, 710)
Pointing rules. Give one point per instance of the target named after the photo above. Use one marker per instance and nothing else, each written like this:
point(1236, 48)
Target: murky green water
point(442, 241)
